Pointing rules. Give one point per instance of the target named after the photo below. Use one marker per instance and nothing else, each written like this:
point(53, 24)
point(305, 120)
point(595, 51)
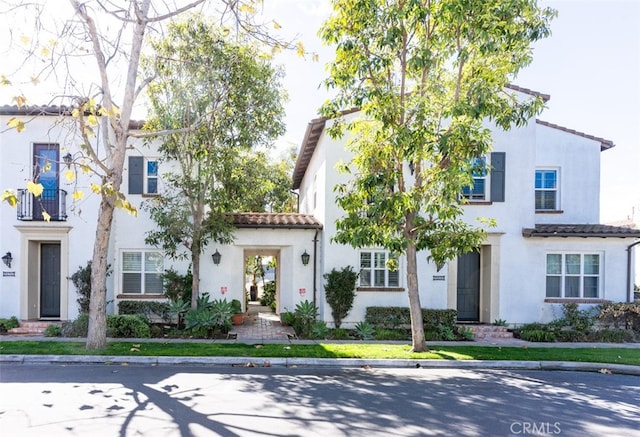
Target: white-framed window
point(479, 189)
point(374, 271)
point(150, 176)
point(142, 272)
point(546, 186)
point(574, 275)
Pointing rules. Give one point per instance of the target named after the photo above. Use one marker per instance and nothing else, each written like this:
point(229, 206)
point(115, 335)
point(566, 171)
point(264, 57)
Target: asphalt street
point(169, 400)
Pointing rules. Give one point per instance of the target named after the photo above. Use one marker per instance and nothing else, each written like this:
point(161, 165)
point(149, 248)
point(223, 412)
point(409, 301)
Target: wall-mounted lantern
point(68, 159)
point(6, 259)
point(216, 257)
point(305, 258)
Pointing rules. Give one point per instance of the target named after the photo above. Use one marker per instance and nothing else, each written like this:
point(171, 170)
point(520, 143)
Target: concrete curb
point(321, 362)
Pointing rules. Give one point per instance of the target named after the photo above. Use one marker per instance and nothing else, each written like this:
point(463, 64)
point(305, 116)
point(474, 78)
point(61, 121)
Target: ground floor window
point(374, 271)
point(142, 272)
point(574, 275)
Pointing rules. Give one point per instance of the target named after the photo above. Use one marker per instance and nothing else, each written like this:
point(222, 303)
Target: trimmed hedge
point(399, 317)
point(150, 310)
point(127, 326)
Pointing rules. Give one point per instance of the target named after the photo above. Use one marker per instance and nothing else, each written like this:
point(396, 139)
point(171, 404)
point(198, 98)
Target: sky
point(590, 67)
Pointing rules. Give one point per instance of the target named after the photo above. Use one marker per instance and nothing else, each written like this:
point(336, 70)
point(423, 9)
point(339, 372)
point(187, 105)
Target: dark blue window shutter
point(136, 174)
point(497, 176)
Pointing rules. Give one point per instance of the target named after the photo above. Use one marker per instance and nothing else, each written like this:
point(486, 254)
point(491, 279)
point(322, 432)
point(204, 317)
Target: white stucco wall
point(79, 228)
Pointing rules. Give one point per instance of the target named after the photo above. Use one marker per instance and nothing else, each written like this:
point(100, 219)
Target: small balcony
point(53, 202)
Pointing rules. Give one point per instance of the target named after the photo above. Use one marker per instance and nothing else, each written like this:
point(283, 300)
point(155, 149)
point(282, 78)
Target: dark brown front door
point(50, 280)
point(469, 287)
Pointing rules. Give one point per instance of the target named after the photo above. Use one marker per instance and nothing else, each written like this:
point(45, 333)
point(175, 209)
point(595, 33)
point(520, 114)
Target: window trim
point(146, 177)
point(142, 272)
point(486, 192)
point(582, 275)
point(557, 207)
point(373, 269)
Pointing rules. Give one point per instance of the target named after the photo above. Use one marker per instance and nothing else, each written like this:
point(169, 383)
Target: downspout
point(315, 266)
point(295, 193)
point(629, 287)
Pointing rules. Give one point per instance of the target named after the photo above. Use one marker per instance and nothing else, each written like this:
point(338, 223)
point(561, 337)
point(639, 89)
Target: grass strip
point(327, 350)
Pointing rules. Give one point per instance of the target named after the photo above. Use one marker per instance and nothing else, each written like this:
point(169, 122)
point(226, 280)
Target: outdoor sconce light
point(6, 259)
point(68, 159)
point(305, 258)
point(216, 257)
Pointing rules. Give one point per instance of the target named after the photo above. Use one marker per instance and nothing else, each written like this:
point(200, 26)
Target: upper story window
point(478, 191)
point(51, 203)
point(573, 275)
point(547, 190)
point(142, 272)
point(374, 271)
point(143, 175)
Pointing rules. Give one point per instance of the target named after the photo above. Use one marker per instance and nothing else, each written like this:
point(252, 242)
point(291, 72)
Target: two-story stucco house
point(548, 247)
point(543, 191)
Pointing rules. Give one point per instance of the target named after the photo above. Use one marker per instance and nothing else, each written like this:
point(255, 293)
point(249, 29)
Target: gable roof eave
point(580, 231)
point(604, 144)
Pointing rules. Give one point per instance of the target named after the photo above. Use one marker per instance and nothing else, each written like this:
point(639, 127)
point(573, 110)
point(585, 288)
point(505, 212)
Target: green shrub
point(466, 333)
point(236, 306)
point(177, 286)
point(77, 327)
point(10, 323)
point(399, 317)
point(127, 326)
point(287, 318)
point(340, 292)
point(319, 330)
point(81, 279)
point(500, 322)
point(53, 331)
point(177, 310)
point(268, 297)
point(365, 331)
point(209, 318)
point(150, 310)
point(538, 335)
point(391, 334)
point(612, 336)
point(305, 314)
point(339, 334)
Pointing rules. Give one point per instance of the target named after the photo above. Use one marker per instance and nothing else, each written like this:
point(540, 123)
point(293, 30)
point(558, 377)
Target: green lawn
point(327, 350)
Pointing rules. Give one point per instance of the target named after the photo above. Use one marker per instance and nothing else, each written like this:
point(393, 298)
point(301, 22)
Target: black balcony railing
point(53, 202)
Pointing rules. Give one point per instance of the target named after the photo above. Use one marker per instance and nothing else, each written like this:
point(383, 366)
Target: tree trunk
point(415, 309)
point(97, 332)
point(195, 267)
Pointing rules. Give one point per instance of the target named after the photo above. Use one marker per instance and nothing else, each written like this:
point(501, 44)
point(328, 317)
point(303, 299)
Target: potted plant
point(237, 318)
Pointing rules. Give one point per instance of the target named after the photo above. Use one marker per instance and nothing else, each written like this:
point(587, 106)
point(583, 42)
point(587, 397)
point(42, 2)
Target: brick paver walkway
point(261, 324)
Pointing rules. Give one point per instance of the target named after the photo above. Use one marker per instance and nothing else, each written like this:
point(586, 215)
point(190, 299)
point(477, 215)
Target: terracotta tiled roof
point(604, 144)
point(275, 220)
point(316, 126)
point(51, 110)
point(544, 97)
point(581, 231)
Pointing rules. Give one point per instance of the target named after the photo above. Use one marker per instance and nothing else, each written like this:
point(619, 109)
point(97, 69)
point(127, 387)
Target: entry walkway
point(260, 325)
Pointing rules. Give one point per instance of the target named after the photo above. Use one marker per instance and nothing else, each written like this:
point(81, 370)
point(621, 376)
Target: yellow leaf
point(91, 105)
point(95, 188)
point(10, 197)
point(20, 101)
point(315, 57)
point(89, 132)
point(78, 195)
point(70, 175)
point(25, 39)
point(35, 189)
point(53, 42)
point(300, 48)
point(92, 120)
point(276, 25)
point(35, 80)
point(4, 81)
point(46, 216)
point(16, 123)
point(44, 51)
point(75, 113)
point(249, 9)
point(85, 169)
